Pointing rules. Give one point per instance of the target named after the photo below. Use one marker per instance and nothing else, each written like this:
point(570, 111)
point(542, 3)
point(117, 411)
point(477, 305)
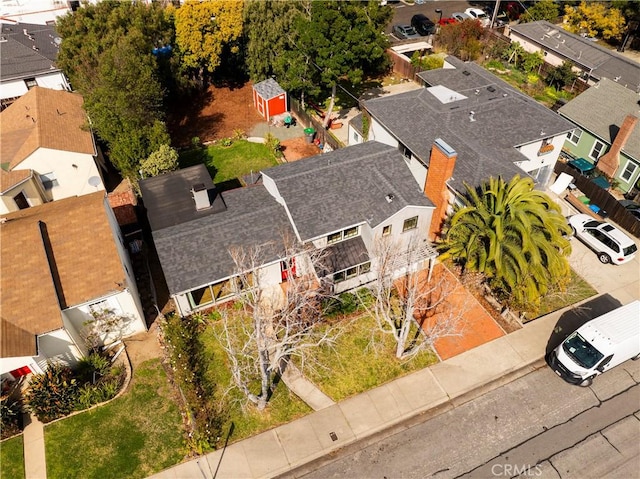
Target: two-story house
point(28, 59)
point(607, 132)
point(48, 151)
point(59, 263)
point(495, 129)
point(340, 202)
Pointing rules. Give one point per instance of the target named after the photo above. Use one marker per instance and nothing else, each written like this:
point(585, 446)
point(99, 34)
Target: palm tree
point(514, 235)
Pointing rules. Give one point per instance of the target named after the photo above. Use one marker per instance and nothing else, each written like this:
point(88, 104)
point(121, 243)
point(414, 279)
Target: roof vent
point(491, 88)
point(389, 197)
point(471, 116)
point(201, 196)
point(466, 73)
point(477, 92)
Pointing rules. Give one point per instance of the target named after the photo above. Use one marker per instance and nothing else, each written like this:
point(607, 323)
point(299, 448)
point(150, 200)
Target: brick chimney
point(441, 165)
point(610, 161)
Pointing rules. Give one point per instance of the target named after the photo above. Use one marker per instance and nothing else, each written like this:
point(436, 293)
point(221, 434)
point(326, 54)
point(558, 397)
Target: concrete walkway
point(305, 389)
point(35, 465)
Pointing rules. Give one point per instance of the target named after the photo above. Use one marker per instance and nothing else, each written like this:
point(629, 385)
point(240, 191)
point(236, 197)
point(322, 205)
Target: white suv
point(478, 14)
point(611, 244)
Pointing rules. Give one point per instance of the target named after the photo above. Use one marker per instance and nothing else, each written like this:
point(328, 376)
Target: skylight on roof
point(444, 94)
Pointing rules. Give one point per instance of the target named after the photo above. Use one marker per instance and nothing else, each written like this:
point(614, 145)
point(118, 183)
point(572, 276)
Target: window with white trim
point(49, 180)
point(410, 224)
point(596, 151)
point(351, 272)
point(628, 171)
point(574, 136)
point(343, 235)
point(386, 230)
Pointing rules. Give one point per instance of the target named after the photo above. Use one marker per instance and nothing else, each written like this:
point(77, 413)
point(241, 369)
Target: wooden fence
point(603, 199)
point(309, 121)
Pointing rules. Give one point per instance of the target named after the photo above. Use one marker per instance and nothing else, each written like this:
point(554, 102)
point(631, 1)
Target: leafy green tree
point(344, 41)
point(542, 10)
point(106, 52)
point(270, 31)
point(513, 234)
point(204, 30)
point(514, 53)
point(532, 61)
point(595, 18)
point(562, 75)
point(163, 160)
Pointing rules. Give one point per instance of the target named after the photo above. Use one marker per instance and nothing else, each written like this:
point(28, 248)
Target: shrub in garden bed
point(61, 390)
point(11, 415)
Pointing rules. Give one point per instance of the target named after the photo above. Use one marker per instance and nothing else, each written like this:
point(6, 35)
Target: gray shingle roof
point(18, 59)
point(344, 254)
point(603, 63)
point(268, 89)
point(196, 252)
point(602, 109)
point(503, 119)
point(335, 190)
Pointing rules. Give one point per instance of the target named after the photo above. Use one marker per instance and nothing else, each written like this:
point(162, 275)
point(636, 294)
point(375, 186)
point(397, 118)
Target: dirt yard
point(214, 114)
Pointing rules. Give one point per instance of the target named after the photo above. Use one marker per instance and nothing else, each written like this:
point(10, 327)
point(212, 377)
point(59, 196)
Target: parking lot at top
point(402, 12)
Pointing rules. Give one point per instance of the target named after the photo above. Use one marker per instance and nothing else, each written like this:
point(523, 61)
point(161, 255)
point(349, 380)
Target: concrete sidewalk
point(443, 385)
point(35, 465)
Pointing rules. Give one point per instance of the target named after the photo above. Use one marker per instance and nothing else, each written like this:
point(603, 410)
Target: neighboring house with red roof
point(47, 151)
point(60, 262)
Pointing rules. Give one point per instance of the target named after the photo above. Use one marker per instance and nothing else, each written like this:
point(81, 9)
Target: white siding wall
point(72, 181)
point(12, 89)
point(53, 81)
point(31, 190)
point(424, 215)
point(378, 133)
point(11, 364)
point(419, 171)
point(57, 346)
point(544, 162)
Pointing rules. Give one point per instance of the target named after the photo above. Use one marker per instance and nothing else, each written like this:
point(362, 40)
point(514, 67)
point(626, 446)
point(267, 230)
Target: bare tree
point(105, 326)
point(408, 304)
point(273, 323)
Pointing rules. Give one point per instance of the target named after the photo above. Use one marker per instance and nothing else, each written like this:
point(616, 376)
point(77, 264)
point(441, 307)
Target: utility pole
point(495, 14)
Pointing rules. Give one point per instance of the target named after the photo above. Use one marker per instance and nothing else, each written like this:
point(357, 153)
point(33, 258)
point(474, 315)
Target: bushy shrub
point(92, 367)
point(52, 394)
point(273, 144)
point(10, 415)
point(347, 303)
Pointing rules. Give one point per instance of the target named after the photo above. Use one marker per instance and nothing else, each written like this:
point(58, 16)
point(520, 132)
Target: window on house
point(547, 141)
point(629, 170)
point(410, 224)
point(334, 237)
point(30, 82)
point(222, 290)
point(406, 152)
point(21, 201)
point(49, 180)
point(351, 232)
point(386, 230)
point(596, 151)
point(351, 272)
point(200, 297)
point(339, 277)
point(365, 267)
point(342, 235)
point(574, 136)
point(356, 137)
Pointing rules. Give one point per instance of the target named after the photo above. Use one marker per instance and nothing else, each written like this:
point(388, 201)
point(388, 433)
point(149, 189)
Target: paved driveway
point(620, 281)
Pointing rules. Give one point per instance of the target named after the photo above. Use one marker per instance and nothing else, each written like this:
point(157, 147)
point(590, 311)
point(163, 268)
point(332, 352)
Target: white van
point(598, 345)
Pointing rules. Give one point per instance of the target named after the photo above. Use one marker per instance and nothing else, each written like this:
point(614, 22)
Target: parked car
point(460, 17)
point(423, 25)
point(611, 244)
point(480, 15)
point(632, 207)
point(405, 32)
point(447, 21)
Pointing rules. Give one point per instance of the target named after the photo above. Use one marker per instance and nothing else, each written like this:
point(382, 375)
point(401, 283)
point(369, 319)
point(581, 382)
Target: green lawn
point(353, 366)
point(283, 407)
point(227, 164)
point(12, 458)
point(577, 291)
point(136, 435)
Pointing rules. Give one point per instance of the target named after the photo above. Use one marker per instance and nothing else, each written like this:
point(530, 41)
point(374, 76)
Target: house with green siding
point(607, 132)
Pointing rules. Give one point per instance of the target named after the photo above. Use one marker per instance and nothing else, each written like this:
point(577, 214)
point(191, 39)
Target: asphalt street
point(536, 426)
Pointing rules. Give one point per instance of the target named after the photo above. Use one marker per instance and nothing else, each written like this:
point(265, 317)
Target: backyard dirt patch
point(298, 148)
point(212, 115)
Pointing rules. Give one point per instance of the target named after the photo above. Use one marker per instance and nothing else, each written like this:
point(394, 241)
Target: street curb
point(327, 457)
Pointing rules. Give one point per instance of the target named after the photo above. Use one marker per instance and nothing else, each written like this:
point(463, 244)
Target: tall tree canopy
point(542, 10)
point(204, 29)
point(310, 44)
point(106, 52)
point(512, 234)
point(595, 18)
